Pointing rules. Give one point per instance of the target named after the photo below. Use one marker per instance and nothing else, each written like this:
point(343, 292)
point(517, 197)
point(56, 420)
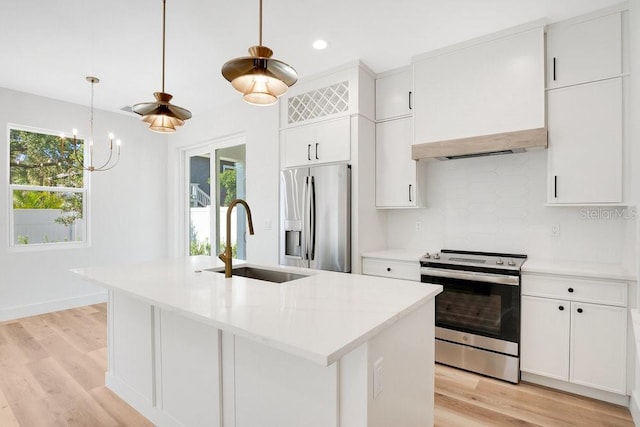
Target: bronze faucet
point(226, 255)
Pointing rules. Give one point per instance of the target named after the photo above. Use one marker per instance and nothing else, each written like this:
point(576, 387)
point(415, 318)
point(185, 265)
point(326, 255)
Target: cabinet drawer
point(392, 269)
point(576, 289)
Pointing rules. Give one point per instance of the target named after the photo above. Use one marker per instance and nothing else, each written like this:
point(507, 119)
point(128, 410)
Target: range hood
point(478, 146)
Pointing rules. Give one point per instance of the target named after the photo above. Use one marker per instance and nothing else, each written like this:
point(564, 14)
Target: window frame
point(84, 191)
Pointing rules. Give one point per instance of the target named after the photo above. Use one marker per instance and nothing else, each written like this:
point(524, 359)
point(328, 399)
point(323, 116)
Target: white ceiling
point(47, 47)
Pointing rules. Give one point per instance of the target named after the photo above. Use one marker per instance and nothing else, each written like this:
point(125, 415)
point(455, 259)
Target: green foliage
point(23, 240)
point(23, 199)
point(198, 247)
point(46, 160)
point(227, 180)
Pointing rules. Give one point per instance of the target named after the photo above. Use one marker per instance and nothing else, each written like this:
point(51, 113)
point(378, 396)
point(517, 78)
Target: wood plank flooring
point(469, 400)
point(52, 374)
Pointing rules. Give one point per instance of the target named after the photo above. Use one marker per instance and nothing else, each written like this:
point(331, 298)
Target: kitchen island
point(189, 347)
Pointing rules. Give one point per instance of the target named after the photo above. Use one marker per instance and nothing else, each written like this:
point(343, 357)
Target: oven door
point(481, 304)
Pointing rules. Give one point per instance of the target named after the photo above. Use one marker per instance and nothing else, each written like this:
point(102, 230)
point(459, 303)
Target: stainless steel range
point(478, 312)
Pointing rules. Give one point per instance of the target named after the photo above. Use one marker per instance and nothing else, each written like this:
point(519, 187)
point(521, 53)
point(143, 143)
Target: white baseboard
point(12, 313)
point(139, 402)
point(617, 399)
point(634, 408)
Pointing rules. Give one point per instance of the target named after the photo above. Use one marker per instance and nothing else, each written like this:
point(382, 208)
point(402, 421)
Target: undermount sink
point(273, 276)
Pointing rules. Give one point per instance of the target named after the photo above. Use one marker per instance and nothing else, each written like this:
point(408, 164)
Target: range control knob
point(499, 261)
point(511, 263)
point(427, 255)
point(436, 256)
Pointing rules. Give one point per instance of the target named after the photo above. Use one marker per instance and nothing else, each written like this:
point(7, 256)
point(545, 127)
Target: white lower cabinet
point(394, 269)
point(571, 340)
point(545, 337)
point(598, 346)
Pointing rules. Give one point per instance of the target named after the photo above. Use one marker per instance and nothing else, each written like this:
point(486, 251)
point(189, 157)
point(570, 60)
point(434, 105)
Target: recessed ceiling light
point(319, 44)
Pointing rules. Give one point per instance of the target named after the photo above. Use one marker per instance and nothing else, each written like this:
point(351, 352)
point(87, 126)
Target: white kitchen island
point(189, 347)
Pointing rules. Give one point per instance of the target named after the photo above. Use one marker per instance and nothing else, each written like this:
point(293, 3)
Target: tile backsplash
point(497, 204)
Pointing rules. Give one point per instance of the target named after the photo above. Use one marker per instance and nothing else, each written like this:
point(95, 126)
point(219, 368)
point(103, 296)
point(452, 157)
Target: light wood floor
point(469, 400)
point(52, 374)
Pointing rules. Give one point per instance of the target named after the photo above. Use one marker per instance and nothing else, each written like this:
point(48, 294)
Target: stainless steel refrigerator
point(315, 217)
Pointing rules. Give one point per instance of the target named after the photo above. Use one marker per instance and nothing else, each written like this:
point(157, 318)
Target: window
point(47, 189)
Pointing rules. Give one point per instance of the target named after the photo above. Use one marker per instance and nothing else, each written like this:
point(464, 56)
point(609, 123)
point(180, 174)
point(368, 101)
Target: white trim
point(617, 399)
point(634, 408)
point(139, 402)
point(616, 8)
point(509, 32)
point(18, 312)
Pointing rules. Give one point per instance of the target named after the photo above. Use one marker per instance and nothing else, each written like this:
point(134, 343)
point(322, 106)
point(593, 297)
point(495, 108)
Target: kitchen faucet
point(226, 255)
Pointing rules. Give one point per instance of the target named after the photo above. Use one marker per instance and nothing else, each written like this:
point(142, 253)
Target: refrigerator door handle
point(304, 249)
point(312, 216)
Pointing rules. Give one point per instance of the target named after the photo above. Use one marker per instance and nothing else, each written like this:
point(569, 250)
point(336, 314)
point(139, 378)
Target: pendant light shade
point(259, 78)
point(162, 116)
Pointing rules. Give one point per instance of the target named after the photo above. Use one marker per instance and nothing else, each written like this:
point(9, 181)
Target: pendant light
point(109, 164)
point(161, 115)
point(258, 77)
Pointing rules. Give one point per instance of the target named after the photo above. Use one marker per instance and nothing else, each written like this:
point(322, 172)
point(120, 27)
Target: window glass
point(46, 183)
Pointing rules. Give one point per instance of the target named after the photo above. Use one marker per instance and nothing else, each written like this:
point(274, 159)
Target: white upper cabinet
point(479, 89)
point(585, 143)
point(584, 51)
point(395, 170)
point(394, 93)
point(317, 143)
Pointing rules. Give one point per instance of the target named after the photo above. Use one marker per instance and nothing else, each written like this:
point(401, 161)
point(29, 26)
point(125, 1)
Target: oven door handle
point(500, 279)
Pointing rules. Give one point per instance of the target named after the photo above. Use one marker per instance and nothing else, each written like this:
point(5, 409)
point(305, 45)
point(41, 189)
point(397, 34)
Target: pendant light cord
point(164, 18)
point(260, 44)
point(91, 128)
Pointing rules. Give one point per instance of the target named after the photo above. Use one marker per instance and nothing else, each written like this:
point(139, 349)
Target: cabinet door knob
point(309, 152)
point(561, 308)
point(554, 69)
point(388, 268)
point(555, 186)
point(410, 188)
point(317, 158)
point(570, 290)
point(579, 310)
point(410, 100)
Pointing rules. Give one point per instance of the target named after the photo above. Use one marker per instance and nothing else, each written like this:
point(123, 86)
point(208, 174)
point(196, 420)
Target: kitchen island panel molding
point(190, 347)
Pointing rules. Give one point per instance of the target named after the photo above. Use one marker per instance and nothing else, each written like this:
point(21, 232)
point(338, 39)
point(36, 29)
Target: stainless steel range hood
point(485, 145)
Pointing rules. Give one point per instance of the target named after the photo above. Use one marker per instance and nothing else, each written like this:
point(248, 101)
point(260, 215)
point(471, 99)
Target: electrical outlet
point(418, 225)
point(555, 230)
point(378, 377)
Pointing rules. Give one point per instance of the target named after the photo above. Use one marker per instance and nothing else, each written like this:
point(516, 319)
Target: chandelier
point(110, 163)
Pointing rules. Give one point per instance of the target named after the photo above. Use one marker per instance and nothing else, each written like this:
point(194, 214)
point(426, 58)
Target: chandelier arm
point(102, 169)
point(99, 168)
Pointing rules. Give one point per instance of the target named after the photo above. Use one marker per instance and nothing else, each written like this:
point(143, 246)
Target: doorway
point(215, 176)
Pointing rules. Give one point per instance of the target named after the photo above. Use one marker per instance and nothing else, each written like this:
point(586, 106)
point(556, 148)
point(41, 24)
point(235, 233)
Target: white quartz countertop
point(396, 254)
point(321, 317)
point(583, 269)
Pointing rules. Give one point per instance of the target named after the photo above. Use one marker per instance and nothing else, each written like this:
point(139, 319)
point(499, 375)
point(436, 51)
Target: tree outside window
point(47, 188)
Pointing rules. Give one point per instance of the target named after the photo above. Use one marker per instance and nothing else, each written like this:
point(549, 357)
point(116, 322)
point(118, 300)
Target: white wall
point(128, 203)
point(497, 204)
point(259, 126)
